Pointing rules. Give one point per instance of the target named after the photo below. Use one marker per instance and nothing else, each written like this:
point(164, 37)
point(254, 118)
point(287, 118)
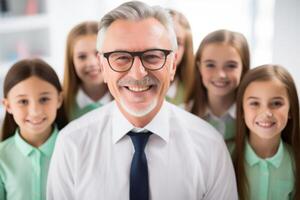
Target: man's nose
point(138, 71)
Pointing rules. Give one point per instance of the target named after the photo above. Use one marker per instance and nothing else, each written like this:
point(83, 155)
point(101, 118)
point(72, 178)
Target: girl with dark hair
point(34, 114)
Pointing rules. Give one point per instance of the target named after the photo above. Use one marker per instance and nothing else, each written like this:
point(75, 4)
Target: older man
point(139, 147)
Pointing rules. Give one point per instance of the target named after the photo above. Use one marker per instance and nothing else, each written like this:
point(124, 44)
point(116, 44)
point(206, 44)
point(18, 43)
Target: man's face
point(139, 93)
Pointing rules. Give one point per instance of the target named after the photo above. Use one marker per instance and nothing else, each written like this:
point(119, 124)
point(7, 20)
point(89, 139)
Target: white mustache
point(147, 80)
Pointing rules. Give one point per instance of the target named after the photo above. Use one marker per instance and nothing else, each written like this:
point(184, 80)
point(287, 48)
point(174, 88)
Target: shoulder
point(190, 121)
point(202, 142)
point(288, 153)
point(6, 146)
point(198, 130)
point(89, 124)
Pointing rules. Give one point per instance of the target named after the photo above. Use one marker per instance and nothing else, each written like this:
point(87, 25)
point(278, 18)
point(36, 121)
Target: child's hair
point(71, 81)
point(21, 71)
point(290, 134)
point(185, 69)
point(234, 39)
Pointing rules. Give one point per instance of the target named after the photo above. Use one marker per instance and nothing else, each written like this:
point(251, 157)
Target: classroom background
point(39, 28)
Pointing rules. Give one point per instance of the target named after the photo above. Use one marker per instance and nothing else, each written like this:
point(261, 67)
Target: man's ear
point(173, 67)
point(6, 105)
point(100, 62)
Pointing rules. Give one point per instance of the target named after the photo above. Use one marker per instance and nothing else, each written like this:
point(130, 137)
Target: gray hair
point(135, 11)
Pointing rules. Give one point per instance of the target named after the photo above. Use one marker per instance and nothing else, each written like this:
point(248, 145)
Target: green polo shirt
point(229, 129)
point(271, 178)
point(24, 168)
point(78, 112)
point(178, 99)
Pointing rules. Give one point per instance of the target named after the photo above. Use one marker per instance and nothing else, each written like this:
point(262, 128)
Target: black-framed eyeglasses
point(122, 61)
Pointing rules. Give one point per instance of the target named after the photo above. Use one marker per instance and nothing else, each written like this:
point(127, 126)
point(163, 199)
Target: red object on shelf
point(31, 7)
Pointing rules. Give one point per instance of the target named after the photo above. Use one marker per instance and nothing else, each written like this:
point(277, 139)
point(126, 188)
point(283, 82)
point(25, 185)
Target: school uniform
point(85, 104)
point(271, 178)
point(24, 168)
point(175, 93)
point(224, 124)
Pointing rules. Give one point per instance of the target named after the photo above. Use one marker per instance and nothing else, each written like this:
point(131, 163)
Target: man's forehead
point(141, 34)
point(150, 24)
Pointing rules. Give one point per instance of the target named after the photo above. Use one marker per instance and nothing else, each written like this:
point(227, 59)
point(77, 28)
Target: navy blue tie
point(139, 185)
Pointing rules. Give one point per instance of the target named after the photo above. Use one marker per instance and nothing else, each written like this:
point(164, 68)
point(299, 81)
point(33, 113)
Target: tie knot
point(139, 140)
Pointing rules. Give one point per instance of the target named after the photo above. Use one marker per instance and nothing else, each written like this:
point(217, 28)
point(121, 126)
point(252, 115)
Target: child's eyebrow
point(208, 60)
point(252, 97)
point(45, 93)
point(277, 98)
point(273, 98)
point(232, 61)
point(21, 95)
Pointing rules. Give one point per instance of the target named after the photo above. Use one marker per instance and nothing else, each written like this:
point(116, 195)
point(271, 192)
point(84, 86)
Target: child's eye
point(276, 104)
point(209, 65)
point(44, 100)
point(82, 57)
point(254, 103)
point(23, 102)
point(231, 66)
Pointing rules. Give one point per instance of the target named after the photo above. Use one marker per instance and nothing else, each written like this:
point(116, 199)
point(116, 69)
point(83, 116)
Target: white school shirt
point(222, 123)
point(187, 158)
point(83, 99)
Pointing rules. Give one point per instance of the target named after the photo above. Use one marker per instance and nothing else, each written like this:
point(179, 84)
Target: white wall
point(64, 15)
point(286, 43)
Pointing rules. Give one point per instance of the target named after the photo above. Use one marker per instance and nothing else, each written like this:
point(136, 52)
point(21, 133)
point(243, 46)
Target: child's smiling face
point(33, 103)
point(266, 108)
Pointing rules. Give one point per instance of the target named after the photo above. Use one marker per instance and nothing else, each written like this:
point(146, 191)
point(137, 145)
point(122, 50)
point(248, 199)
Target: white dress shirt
point(187, 158)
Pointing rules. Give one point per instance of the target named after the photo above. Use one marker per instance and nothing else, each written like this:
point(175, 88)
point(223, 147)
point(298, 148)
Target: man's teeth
point(138, 89)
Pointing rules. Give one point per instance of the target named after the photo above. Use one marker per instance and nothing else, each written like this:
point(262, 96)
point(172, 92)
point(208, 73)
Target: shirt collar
point(83, 100)
point(46, 148)
point(230, 113)
point(159, 125)
point(253, 159)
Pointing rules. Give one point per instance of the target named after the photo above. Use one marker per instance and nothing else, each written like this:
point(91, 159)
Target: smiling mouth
point(36, 123)
point(138, 88)
point(265, 124)
point(220, 83)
